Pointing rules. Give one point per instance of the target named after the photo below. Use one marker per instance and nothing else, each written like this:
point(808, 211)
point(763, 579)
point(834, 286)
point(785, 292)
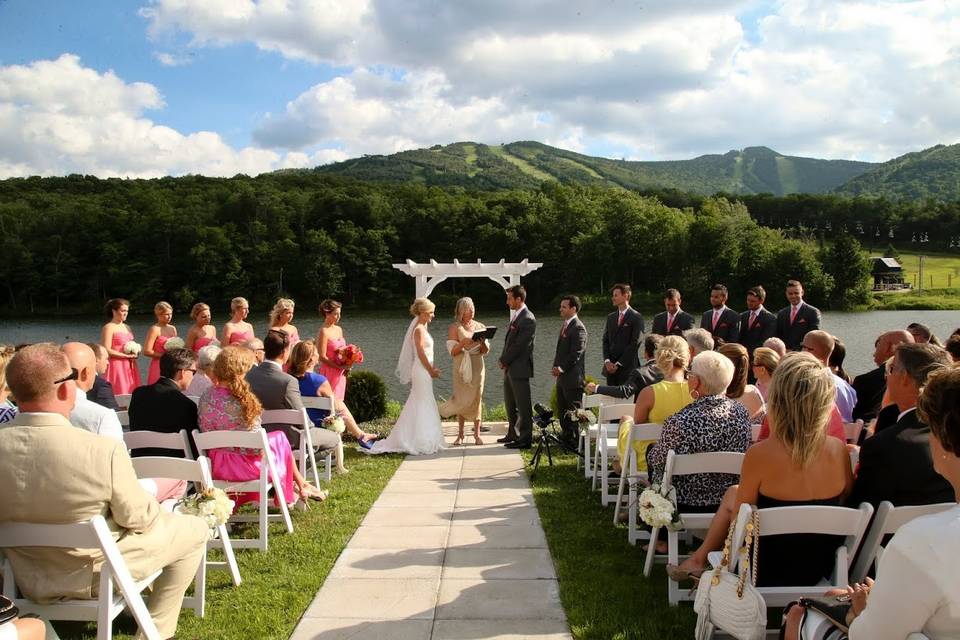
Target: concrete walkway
point(452, 549)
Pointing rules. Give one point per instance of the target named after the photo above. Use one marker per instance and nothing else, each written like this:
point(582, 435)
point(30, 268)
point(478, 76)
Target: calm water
point(380, 337)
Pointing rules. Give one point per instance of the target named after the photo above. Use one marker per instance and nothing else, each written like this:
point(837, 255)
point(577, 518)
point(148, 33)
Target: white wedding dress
point(417, 430)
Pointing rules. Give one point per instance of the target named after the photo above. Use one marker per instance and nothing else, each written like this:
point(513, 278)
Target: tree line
point(71, 243)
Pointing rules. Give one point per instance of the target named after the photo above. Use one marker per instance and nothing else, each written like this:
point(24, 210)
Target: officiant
point(468, 369)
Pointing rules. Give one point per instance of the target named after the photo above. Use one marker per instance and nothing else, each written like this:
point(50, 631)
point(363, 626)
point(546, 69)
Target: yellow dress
point(467, 400)
point(668, 398)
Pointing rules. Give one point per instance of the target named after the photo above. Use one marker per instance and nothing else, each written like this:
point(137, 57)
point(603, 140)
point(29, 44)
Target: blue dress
point(309, 383)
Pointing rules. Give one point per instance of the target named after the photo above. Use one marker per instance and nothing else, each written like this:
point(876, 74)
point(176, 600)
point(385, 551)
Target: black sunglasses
point(74, 374)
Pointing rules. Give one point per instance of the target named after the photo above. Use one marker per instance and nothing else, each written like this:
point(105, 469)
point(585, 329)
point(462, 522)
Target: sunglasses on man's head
point(73, 375)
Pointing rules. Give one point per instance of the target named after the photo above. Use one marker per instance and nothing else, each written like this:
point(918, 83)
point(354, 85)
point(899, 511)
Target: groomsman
point(674, 321)
point(568, 366)
point(621, 337)
point(797, 319)
point(756, 323)
point(721, 321)
point(516, 361)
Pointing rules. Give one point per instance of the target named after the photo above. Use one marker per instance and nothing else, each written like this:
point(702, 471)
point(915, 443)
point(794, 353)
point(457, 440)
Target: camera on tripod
point(542, 416)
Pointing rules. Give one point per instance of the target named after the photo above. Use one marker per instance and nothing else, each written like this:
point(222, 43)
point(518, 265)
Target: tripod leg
point(549, 454)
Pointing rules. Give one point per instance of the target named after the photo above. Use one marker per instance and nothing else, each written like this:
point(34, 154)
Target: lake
point(379, 337)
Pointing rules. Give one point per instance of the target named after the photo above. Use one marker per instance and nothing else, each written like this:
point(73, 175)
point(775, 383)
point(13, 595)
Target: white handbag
point(725, 600)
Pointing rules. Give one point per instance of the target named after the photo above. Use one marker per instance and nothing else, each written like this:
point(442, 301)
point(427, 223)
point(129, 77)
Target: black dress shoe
point(517, 444)
point(506, 439)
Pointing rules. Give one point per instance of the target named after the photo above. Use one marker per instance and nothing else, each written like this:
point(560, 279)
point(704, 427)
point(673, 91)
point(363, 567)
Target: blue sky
point(157, 87)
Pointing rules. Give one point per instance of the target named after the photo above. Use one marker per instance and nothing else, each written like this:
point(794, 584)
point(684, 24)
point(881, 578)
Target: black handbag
point(8, 610)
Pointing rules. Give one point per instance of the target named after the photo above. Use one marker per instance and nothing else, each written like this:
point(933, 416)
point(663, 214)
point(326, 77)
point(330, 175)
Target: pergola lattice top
point(428, 276)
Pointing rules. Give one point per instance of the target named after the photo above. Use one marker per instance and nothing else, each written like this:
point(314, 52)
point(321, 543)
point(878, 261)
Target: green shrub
point(366, 396)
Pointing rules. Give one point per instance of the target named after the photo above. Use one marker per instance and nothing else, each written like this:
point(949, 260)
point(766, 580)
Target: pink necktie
point(620, 321)
point(716, 317)
point(793, 314)
point(753, 319)
point(669, 322)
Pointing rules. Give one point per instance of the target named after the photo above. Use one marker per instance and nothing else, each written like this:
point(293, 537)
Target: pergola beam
point(428, 276)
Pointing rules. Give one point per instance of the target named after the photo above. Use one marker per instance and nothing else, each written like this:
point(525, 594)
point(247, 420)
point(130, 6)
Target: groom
point(516, 360)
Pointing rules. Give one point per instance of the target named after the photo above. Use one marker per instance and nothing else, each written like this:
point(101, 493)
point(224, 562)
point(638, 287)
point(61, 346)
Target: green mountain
point(524, 165)
point(931, 173)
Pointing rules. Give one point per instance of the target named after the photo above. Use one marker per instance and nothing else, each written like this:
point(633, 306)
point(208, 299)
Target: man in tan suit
point(55, 473)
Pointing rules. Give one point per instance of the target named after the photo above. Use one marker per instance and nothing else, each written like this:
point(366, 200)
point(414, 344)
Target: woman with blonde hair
point(157, 336)
point(280, 317)
point(230, 405)
point(122, 371)
point(417, 430)
point(237, 330)
point(746, 394)
point(798, 465)
point(7, 409)
point(329, 342)
point(202, 332)
point(468, 370)
point(765, 361)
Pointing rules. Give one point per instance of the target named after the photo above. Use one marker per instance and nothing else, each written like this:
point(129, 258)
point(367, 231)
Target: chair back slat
point(178, 468)
point(124, 417)
point(123, 400)
point(707, 462)
point(29, 534)
point(142, 439)
point(318, 402)
point(206, 440)
point(296, 417)
point(596, 400)
point(852, 431)
point(613, 412)
point(838, 521)
point(888, 520)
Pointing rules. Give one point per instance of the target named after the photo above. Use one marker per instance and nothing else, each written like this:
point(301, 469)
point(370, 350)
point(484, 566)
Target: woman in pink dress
point(329, 340)
point(122, 370)
point(154, 346)
point(237, 330)
point(280, 317)
point(202, 332)
point(231, 406)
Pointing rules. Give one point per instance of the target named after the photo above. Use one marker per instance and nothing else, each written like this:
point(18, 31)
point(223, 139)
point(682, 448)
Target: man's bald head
point(819, 344)
point(84, 360)
point(32, 376)
point(887, 343)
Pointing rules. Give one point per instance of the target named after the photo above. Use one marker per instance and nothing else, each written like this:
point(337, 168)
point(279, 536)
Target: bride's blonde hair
point(421, 305)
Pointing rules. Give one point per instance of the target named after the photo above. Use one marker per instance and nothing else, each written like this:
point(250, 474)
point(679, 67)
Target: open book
point(486, 334)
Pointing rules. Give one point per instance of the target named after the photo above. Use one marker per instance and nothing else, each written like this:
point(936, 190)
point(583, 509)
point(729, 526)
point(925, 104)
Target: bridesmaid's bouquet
point(132, 348)
point(334, 423)
point(174, 343)
point(213, 505)
point(349, 355)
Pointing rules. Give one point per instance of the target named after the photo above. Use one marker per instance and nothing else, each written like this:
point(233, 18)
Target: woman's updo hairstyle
point(673, 352)
point(421, 305)
point(114, 304)
point(199, 308)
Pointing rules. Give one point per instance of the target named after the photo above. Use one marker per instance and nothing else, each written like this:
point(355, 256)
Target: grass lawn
point(942, 268)
point(279, 585)
point(602, 587)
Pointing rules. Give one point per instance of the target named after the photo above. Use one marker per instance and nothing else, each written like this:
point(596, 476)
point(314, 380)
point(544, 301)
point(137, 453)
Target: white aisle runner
point(452, 549)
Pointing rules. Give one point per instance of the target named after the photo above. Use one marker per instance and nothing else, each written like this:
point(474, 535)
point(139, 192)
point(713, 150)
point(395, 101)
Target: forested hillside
point(931, 173)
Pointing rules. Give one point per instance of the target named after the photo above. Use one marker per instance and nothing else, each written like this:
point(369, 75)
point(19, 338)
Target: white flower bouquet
point(658, 508)
point(132, 348)
point(582, 417)
point(212, 505)
point(334, 423)
point(174, 343)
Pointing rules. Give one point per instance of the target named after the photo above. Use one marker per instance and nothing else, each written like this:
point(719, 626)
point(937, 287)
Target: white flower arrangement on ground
point(658, 508)
point(212, 505)
point(582, 417)
point(174, 343)
point(132, 348)
point(334, 423)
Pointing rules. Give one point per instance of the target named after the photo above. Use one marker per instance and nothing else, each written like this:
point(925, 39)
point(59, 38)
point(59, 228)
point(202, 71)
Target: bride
point(417, 430)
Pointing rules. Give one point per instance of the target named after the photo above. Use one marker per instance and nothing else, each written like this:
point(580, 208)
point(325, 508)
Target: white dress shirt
point(92, 417)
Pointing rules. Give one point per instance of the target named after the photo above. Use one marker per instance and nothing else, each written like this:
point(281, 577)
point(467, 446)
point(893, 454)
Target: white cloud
point(171, 59)
point(59, 117)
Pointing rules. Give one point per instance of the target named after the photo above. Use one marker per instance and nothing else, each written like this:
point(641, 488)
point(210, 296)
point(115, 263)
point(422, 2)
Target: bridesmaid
point(122, 370)
point(237, 330)
point(202, 332)
point(157, 336)
point(280, 317)
point(468, 370)
point(329, 339)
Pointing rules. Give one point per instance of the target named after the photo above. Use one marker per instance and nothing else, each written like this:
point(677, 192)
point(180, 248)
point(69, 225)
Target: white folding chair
point(588, 435)
point(325, 403)
point(838, 521)
point(887, 521)
point(198, 472)
point(124, 417)
point(305, 453)
point(123, 400)
point(606, 447)
point(269, 478)
point(177, 441)
point(685, 465)
point(755, 432)
point(91, 534)
point(630, 475)
point(852, 431)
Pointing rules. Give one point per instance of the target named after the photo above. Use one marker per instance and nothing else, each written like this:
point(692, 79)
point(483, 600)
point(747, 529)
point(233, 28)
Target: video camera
point(543, 416)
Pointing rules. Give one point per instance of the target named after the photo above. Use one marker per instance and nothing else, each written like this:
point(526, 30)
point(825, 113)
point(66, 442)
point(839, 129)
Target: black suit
point(728, 324)
point(161, 406)
point(643, 376)
point(517, 358)
point(754, 335)
point(681, 323)
point(102, 394)
point(808, 319)
point(569, 356)
point(621, 341)
point(870, 388)
point(895, 465)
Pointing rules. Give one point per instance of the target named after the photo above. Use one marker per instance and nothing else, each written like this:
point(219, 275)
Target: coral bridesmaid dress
point(335, 376)
point(153, 374)
point(122, 373)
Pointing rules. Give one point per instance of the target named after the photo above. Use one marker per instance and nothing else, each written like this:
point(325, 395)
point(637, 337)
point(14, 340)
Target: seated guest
point(895, 464)
point(102, 391)
point(820, 344)
point(8, 411)
point(712, 422)
point(203, 379)
point(837, 356)
point(87, 414)
point(83, 475)
point(738, 389)
point(953, 347)
point(659, 401)
point(255, 345)
point(799, 465)
point(699, 341)
point(674, 320)
point(230, 405)
point(162, 406)
point(922, 334)
point(913, 592)
point(642, 376)
point(765, 361)
point(871, 386)
point(777, 345)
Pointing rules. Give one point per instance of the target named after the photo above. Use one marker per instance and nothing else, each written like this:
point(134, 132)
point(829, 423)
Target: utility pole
point(920, 278)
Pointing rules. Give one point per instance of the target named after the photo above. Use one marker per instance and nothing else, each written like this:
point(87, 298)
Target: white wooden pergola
point(428, 276)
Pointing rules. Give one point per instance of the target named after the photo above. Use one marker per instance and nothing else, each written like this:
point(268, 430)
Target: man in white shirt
point(820, 344)
point(87, 414)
